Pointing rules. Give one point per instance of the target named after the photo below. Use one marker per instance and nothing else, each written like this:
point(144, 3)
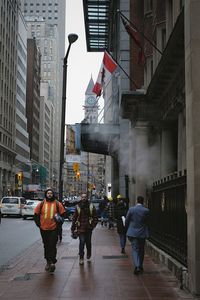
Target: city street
point(16, 236)
point(100, 100)
point(108, 276)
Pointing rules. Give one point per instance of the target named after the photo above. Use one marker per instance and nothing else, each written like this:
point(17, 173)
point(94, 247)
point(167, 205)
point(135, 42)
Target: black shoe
point(52, 268)
point(141, 269)
point(123, 251)
point(136, 271)
point(88, 256)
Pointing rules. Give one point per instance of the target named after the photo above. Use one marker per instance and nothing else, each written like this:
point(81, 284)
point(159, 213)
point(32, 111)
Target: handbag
point(74, 234)
point(58, 218)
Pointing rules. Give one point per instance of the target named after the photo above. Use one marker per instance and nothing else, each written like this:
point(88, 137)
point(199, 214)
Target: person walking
point(46, 215)
point(84, 221)
point(102, 209)
point(120, 214)
point(110, 210)
point(136, 224)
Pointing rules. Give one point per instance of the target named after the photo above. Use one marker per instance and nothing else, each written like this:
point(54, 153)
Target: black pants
point(85, 239)
point(49, 238)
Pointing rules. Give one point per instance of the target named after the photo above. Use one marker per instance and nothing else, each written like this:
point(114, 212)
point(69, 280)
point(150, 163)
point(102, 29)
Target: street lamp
point(71, 38)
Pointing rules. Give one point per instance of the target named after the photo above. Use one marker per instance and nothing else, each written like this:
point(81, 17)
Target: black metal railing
point(168, 217)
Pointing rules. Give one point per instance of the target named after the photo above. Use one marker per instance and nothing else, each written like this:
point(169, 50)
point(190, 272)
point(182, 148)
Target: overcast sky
point(81, 64)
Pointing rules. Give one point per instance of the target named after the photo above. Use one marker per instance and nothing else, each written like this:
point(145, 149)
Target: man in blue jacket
point(136, 224)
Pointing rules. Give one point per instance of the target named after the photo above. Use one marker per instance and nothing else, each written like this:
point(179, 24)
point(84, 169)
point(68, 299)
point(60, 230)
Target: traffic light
point(78, 174)
point(20, 176)
point(76, 167)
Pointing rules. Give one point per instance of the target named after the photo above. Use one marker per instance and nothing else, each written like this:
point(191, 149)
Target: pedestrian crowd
point(131, 223)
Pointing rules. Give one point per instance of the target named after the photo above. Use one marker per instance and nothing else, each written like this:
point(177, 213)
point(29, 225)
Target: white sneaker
point(81, 261)
point(89, 259)
point(47, 266)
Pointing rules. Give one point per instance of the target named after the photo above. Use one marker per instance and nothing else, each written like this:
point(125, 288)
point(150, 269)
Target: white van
point(12, 205)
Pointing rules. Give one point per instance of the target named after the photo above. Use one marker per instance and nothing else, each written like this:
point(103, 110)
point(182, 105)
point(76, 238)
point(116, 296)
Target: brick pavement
point(108, 277)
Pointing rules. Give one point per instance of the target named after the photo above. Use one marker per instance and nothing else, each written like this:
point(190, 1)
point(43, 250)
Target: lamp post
point(71, 38)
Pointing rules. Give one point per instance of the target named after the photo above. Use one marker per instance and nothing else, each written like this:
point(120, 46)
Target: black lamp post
point(71, 38)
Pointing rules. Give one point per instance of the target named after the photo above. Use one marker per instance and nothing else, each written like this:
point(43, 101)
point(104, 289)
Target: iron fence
point(168, 217)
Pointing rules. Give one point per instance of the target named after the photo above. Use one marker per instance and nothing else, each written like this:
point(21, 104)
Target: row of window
point(49, 18)
point(5, 157)
point(38, 4)
point(38, 11)
point(22, 152)
point(22, 137)
point(6, 141)
point(21, 108)
point(21, 79)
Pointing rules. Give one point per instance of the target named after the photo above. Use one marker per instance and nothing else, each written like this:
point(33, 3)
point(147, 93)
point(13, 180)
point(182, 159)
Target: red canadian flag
point(108, 66)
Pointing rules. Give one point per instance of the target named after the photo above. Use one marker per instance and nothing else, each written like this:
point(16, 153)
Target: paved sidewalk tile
point(109, 276)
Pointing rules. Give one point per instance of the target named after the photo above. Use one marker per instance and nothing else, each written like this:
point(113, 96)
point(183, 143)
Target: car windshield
point(10, 200)
point(30, 203)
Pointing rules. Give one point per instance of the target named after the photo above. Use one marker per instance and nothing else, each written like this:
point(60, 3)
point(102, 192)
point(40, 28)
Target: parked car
point(12, 205)
point(70, 206)
point(28, 209)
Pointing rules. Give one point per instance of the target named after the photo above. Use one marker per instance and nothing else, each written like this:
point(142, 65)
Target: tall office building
point(33, 97)
point(8, 71)
point(51, 13)
point(22, 161)
point(46, 37)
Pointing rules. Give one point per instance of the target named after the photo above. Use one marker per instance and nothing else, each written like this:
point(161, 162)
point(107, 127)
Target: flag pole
point(132, 81)
point(140, 32)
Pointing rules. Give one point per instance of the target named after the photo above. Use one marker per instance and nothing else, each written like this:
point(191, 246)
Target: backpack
point(58, 219)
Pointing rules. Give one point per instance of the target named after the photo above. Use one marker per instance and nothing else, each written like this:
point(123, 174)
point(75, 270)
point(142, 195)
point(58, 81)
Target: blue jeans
point(122, 238)
point(137, 250)
point(85, 239)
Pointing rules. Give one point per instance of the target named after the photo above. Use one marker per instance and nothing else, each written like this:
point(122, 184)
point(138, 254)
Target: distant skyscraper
point(8, 72)
point(33, 97)
point(46, 21)
point(22, 160)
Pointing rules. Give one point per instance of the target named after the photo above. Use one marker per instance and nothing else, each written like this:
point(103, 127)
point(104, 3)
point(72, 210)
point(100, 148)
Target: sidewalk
point(108, 277)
